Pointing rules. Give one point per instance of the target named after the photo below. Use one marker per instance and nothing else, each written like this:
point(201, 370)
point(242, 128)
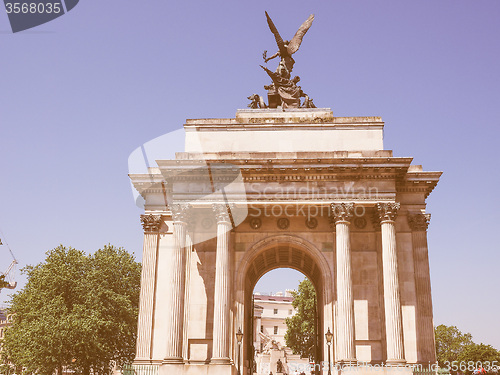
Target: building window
point(290, 312)
point(275, 311)
point(275, 330)
point(262, 329)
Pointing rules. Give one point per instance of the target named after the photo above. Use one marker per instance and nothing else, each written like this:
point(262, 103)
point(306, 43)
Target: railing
point(429, 371)
point(140, 370)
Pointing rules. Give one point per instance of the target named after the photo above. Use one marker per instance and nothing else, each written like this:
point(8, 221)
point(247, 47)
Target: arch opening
point(272, 351)
point(284, 252)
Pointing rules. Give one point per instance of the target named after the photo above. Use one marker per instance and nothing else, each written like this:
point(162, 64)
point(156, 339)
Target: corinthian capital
point(151, 223)
point(222, 212)
point(180, 212)
point(419, 222)
point(341, 212)
point(387, 211)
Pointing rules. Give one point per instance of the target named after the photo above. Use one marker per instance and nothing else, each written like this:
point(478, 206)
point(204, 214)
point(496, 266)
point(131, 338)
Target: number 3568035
point(32, 8)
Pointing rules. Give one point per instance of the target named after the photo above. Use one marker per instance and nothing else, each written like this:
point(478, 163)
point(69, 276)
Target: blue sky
point(79, 94)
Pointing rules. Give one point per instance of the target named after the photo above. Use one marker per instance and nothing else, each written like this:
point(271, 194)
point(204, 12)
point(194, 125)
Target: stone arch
point(283, 251)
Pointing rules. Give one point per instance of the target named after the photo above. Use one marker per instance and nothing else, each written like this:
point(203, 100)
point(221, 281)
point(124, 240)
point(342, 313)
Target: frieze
point(255, 223)
point(283, 223)
point(311, 223)
point(283, 120)
point(360, 222)
point(207, 223)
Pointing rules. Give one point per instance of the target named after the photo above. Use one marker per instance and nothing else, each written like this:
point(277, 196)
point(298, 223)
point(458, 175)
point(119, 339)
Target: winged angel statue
point(284, 90)
point(287, 48)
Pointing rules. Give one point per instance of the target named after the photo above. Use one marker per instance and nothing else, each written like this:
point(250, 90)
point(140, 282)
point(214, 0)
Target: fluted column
point(176, 285)
point(151, 225)
point(346, 349)
point(426, 346)
point(387, 213)
point(220, 353)
point(187, 292)
point(258, 323)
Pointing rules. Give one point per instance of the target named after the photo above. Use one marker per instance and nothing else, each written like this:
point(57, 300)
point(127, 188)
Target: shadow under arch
point(283, 251)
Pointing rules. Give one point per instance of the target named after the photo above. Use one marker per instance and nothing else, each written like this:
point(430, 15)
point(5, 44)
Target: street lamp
point(239, 337)
point(329, 338)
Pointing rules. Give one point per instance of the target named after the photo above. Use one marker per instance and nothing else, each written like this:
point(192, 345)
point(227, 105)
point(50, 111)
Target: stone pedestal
point(271, 130)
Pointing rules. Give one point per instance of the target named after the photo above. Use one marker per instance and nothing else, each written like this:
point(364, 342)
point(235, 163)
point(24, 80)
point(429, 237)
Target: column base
point(348, 362)
point(220, 361)
point(173, 361)
point(395, 362)
point(142, 361)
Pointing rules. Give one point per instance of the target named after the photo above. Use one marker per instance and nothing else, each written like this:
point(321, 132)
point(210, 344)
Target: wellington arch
point(295, 188)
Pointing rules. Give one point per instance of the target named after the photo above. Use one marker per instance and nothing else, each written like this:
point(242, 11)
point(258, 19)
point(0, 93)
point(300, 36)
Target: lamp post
point(239, 338)
point(329, 338)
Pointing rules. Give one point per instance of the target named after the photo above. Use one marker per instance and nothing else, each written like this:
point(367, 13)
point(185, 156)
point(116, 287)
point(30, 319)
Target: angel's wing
point(277, 36)
point(294, 44)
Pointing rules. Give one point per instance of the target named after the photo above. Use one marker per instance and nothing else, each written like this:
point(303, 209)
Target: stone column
point(151, 225)
point(189, 248)
point(258, 323)
point(392, 301)
point(426, 346)
point(346, 349)
point(222, 295)
point(176, 285)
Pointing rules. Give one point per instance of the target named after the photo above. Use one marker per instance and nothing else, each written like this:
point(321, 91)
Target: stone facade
point(300, 189)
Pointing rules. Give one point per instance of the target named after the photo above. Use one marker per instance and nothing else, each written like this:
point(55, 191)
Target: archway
point(283, 251)
point(270, 329)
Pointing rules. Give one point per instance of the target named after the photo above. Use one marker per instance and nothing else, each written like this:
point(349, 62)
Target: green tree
point(450, 343)
point(3, 283)
point(474, 355)
point(455, 346)
point(301, 333)
point(75, 310)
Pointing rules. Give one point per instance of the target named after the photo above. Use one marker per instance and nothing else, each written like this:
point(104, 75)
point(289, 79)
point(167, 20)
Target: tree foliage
point(3, 283)
point(450, 343)
point(76, 310)
point(301, 332)
point(454, 346)
point(479, 353)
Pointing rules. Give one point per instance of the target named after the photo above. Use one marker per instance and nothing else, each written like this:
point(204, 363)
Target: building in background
point(5, 322)
point(270, 312)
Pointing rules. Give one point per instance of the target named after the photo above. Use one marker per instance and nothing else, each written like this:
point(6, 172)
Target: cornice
point(291, 170)
point(421, 181)
point(317, 118)
point(258, 161)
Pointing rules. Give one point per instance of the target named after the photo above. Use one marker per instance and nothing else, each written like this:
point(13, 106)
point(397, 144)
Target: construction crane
point(9, 274)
